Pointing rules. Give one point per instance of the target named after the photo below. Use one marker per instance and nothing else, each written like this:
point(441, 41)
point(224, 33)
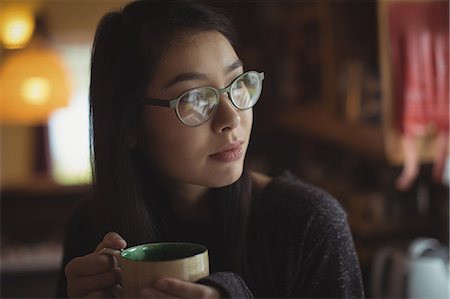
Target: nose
point(227, 117)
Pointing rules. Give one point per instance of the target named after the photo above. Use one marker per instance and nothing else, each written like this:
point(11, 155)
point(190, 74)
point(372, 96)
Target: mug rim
point(201, 248)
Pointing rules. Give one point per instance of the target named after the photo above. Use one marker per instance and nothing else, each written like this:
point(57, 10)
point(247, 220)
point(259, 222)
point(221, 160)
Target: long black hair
point(126, 52)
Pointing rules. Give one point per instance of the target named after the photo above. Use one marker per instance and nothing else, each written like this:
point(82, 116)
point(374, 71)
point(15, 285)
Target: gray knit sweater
point(299, 246)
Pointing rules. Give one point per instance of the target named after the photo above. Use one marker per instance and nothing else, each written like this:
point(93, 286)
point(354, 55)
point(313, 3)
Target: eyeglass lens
point(197, 106)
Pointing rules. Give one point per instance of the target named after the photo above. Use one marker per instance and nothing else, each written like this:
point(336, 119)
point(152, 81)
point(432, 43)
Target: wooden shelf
point(366, 140)
point(43, 186)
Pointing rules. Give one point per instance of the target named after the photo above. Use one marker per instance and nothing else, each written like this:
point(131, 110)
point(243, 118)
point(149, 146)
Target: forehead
point(197, 50)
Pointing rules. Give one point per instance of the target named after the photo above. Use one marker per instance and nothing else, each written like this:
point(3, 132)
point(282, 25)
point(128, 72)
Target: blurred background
point(332, 112)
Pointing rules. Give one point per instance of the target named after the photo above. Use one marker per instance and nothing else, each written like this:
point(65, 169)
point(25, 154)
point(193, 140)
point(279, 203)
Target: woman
point(165, 175)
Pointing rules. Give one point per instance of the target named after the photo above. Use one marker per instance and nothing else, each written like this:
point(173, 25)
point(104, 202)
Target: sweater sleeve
point(230, 285)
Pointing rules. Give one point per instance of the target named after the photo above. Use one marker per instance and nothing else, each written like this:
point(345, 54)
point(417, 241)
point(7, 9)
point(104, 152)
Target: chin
point(226, 178)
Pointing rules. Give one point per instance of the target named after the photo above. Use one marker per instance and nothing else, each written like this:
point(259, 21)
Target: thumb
point(112, 240)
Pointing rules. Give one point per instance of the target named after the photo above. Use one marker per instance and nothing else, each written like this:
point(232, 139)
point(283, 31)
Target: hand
point(95, 274)
point(175, 288)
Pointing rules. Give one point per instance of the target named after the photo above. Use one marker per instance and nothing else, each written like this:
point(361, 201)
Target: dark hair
point(126, 52)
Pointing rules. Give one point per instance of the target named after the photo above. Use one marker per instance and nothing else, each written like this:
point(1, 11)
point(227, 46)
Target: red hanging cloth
point(419, 38)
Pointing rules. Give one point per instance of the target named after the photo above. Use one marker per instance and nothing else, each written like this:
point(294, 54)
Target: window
point(69, 126)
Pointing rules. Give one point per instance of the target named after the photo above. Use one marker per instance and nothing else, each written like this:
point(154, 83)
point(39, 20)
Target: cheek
point(247, 121)
point(169, 144)
point(182, 153)
point(156, 134)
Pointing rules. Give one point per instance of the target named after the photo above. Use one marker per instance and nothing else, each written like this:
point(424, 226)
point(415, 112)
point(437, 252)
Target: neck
point(190, 202)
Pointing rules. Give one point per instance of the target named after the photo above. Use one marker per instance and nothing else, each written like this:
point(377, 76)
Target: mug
point(143, 265)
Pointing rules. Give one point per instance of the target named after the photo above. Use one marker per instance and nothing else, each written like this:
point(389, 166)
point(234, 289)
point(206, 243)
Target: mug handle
point(116, 290)
point(420, 245)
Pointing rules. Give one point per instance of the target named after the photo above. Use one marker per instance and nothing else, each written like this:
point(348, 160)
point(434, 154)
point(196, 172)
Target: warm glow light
point(68, 128)
point(16, 26)
point(35, 90)
point(33, 83)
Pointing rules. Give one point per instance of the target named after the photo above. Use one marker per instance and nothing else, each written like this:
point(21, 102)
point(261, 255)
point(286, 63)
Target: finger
point(107, 293)
point(116, 292)
point(112, 255)
point(98, 294)
point(112, 240)
point(185, 289)
point(89, 285)
point(90, 264)
point(153, 293)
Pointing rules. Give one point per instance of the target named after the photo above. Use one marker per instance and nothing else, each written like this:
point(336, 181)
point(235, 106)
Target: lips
point(229, 153)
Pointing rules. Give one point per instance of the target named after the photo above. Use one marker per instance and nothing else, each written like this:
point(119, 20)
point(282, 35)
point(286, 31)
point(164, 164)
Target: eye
point(239, 84)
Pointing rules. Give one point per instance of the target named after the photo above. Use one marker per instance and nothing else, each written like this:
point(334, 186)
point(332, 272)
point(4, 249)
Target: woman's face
point(211, 154)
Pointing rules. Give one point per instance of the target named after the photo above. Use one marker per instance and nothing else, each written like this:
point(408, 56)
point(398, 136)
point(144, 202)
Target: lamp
point(16, 26)
point(33, 83)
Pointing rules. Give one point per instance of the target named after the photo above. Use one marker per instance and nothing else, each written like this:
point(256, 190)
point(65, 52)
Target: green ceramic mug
point(143, 265)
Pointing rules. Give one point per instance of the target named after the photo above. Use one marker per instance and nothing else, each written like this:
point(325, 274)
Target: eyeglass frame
point(173, 103)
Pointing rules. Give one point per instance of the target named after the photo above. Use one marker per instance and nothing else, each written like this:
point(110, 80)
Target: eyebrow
point(199, 76)
point(237, 64)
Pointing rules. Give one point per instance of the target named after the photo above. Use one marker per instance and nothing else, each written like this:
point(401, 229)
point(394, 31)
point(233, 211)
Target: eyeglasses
point(196, 106)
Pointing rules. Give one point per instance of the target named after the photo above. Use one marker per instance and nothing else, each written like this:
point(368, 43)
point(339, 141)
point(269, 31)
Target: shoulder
point(305, 235)
point(259, 180)
point(286, 196)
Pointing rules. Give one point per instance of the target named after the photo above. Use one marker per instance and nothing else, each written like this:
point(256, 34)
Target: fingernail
point(115, 262)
